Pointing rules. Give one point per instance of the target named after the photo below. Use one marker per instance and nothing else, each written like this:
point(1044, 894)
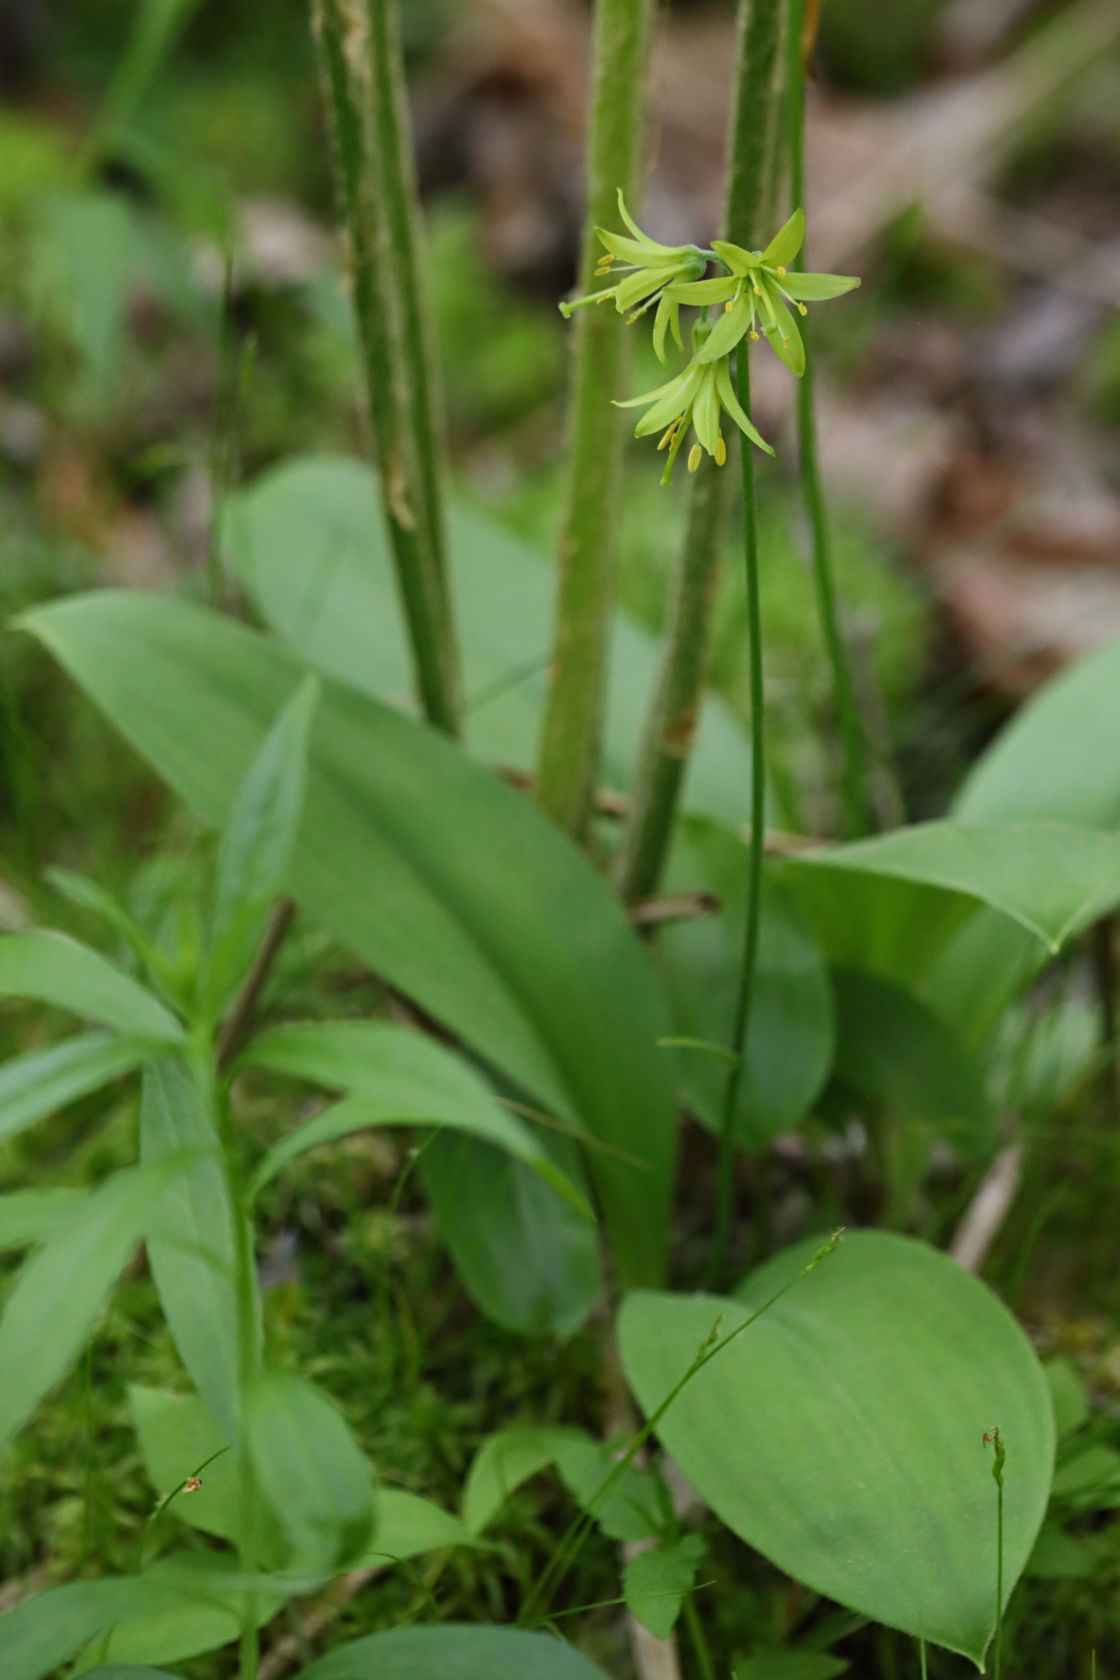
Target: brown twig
point(988, 1209)
point(236, 1023)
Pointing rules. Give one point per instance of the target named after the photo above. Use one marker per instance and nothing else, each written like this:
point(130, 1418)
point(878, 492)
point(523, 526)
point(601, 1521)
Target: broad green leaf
point(1052, 878)
point(790, 1039)
point(307, 541)
point(394, 1077)
point(1056, 759)
point(449, 883)
point(58, 1293)
point(633, 1509)
point(176, 1434)
point(128, 1671)
point(842, 1433)
point(881, 924)
point(192, 1247)
point(789, 1665)
point(183, 1606)
point(1068, 1396)
point(527, 1257)
point(655, 1582)
point(1057, 1556)
point(53, 968)
point(312, 1472)
point(29, 1216)
point(895, 1052)
point(42, 1081)
point(408, 1526)
point(257, 842)
point(502, 1464)
point(40, 1635)
point(455, 1653)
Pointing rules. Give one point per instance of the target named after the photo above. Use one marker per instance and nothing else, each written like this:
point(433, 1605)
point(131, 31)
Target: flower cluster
point(755, 294)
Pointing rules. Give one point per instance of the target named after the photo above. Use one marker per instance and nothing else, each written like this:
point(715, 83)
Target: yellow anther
point(721, 451)
point(801, 309)
point(757, 287)
point(781, 269)
point(630, 319)
point(753, 333)
point(667, 436)
point(694, 457)
point(785, 341)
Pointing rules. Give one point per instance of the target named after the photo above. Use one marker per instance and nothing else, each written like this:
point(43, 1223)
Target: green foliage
point(460, 1653)
point(537, 970)
point(858, 1405)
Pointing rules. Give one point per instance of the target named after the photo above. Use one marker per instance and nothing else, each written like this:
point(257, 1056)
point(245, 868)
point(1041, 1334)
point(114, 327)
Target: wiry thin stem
point(586, 556)
point(854, 779)
point(675, 708)
point(749, 961)
point(363, 76)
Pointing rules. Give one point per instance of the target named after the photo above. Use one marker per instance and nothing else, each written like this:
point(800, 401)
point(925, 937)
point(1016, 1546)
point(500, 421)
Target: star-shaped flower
point(649, 270)
point(696, 398)
point(758, 288)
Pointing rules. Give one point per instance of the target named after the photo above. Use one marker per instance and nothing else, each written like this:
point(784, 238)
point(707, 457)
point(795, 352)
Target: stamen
point(757, 287)
point(785, 341)
point(667, 436)
point(801, 309)
point(721, 451)
point(754, 335)
point(782, 269)
point(694, 457)
point(729, 306)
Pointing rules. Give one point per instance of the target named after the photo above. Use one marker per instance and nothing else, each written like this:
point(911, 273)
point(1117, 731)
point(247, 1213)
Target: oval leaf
point(312, 1472)
point(446, 881)
point(842, 1433)
point(527, 1258)
point(455, 1653)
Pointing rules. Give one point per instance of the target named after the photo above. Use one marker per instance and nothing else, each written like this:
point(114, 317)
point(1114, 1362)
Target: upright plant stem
point(674, 711)
point(853, 785)
point(572, 729)
point(744, 995)
point(363, 76)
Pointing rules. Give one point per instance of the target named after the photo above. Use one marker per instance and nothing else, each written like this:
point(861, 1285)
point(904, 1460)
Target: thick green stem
point(749, 962)
point(854, 780)
point(674, 711)
point(363, 76)
point(572, 730)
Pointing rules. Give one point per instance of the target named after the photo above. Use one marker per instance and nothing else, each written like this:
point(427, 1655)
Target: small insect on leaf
point(192, 1484)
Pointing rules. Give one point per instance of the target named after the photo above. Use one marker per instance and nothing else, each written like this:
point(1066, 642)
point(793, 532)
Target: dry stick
point(572, 728)
point(363, 78)
point(853, 785)
point(671, 723)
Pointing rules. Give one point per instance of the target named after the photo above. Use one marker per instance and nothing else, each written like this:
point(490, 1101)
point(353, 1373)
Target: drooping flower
point(646, 270)
point(697, 398)
point(757, 290)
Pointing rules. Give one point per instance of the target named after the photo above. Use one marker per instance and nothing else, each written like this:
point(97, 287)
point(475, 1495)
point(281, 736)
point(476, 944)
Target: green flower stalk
point(697, 398)
point(651, 272)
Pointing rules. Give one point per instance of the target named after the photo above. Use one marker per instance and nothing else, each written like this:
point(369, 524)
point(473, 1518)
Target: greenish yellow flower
point(697, 398)
point(756, 293)
point(645, 271)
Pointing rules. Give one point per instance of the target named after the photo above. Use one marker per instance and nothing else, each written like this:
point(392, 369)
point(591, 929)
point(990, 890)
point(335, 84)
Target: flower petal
point(653, 396)
point(672, 403)
point(785, 339)
point(811, 288)
point(786, 242)
point(716, 290)
point(636, 288)
point(734, 256)
point(727, 331)
point(661, 323)
point(735, 408)
point(642, 252)
point(705, 411)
